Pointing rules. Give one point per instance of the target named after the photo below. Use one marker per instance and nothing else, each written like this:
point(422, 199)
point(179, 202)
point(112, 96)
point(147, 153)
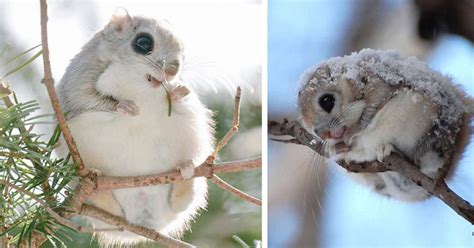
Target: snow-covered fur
point(383, 102)
point(107, 71)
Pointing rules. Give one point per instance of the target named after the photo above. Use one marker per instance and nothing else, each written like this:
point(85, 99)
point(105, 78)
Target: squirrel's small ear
point(120, 20)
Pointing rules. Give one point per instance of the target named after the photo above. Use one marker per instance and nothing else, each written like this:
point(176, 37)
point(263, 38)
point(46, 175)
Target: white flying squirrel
point(378, 102)
point(114, 95)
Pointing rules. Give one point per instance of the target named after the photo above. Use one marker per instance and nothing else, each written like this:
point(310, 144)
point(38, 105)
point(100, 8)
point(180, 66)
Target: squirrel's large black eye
point(143, 43)
point(326, 102)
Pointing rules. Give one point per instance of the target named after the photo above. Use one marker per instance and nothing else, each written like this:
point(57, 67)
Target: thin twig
point(227, 137)
point(48, 81)
point(394, 162)
point(232, 131)
point(95, 212)
point(231, 189)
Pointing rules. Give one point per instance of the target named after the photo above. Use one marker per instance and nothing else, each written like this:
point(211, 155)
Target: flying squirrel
point(116, 94)
point(377, 102)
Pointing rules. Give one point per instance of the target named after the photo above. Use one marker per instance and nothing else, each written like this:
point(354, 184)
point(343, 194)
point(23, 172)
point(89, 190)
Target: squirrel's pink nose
point(337, 133)
point(172, 69)
point(333, 133)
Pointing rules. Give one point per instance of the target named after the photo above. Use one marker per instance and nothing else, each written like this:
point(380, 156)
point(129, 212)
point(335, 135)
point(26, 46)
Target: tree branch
point(48, 81)
point(232, 131)
point(88, 186)
point(394, 162)
point(204, 170)
point(100, 214)
point(231, 189)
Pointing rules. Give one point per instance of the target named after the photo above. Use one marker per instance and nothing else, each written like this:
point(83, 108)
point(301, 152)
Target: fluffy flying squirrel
point(114, 94)
point(378, 102)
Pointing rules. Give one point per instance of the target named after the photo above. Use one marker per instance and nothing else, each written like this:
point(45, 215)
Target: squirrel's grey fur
point(376, 78)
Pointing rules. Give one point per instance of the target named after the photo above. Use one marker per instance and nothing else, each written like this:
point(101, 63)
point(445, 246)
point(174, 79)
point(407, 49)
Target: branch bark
point(394, 162)
point(109, 218)
point(229, 188)
point(204, 170)
point(48, 81)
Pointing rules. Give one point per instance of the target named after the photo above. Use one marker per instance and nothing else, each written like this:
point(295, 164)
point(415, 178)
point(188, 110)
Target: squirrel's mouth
point(336, 133)
point(155, 83)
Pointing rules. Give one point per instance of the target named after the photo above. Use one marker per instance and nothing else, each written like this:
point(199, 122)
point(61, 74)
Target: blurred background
point(318, 206)
point(223, 50)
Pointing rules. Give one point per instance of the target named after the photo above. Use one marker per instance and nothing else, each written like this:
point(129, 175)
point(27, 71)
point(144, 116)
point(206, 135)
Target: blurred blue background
point(321, 207)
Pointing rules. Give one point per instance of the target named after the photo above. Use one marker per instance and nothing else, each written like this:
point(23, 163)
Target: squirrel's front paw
point(127, 107)
point(383, 151)
point(353, 156)
point(187, 170)
point(179, 92)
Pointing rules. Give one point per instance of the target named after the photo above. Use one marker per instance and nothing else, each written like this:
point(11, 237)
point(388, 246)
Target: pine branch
point(394, 162)
point(56, 216)
point(6, 91)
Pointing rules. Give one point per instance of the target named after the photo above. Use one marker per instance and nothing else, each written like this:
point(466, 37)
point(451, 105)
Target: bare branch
point(232, 131)
point(229, 188)
point(95, 212)
point(227, 137)
point(394, 162)
point(204, 170)
point(48, 81)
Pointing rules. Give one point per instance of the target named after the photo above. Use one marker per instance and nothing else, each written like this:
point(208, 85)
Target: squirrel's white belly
point(123, 145)
point(401, 122)
point(152, 142)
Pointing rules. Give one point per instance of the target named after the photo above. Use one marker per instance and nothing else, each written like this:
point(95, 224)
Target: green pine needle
point(24, 64)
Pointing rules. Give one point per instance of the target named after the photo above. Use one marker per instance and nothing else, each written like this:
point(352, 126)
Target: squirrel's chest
point(119, 144)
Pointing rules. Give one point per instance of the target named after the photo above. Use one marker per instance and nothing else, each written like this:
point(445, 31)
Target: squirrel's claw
point(383, 151)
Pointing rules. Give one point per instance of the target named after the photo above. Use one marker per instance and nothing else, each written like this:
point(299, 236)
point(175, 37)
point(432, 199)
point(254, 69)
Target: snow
point(396, 71)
